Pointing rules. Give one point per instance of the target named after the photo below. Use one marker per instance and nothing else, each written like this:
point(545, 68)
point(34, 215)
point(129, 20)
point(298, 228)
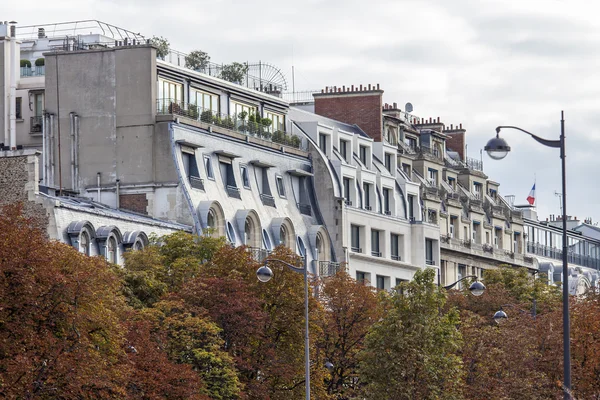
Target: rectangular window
point(452, 183)
point(487, 238)
point(344, 149)
point(363, 154)
point(367, 191)
point(355, 238)
point(280, 188)
point(235, 109)
point(277, 121)
point(406, 169)
point(386, 201)
point(170, 95)
point(245, 179)
point(204, 101)
point(19, 112)
point(375, 249)
point(380, 282)
point(189, 164)
point(429, 260)
point(395, 247)
point(210, 174)
point(410, 142)
point(477, 190)
point(411, 203)
point(462, 272)
point(347, 191)
point(361, 277)
point(388, 162)
point(432, 176)
point(323, 142)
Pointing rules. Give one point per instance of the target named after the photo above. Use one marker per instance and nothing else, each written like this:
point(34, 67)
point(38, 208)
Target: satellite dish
point(408, 107)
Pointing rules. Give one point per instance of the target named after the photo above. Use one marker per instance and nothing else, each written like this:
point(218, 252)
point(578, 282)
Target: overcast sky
point(479, 63)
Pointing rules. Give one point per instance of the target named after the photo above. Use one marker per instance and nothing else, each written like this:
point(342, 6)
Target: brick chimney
point(456, 139)
point(353, 105)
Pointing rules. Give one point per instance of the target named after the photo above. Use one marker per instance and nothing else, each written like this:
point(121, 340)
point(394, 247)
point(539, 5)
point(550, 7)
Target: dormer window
point(477, 190)
point(344, 149)
point(363, 154)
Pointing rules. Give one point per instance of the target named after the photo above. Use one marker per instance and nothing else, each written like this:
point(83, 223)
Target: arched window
point(84, 243)
point(111, 250)
point(211, 219)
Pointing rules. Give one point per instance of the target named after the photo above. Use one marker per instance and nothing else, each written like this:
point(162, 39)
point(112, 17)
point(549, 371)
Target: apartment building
point(116, 129)
point(365, 199)
point(478, 228)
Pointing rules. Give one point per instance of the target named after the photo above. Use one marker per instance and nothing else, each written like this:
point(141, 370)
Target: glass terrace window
point(169, 92)
point(204, 100)
point(237, 108)
point(278, 120)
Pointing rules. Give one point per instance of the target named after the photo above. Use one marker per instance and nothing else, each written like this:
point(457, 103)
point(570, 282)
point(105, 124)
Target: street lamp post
point(264, 274)
point(477, 288)
point(497, 148)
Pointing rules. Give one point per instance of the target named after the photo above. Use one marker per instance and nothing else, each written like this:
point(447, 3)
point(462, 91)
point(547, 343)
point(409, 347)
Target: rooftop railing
point(232, 122)
point(474, 164)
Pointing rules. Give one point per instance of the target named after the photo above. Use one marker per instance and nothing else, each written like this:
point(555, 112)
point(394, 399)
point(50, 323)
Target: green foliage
point(25, 64)
point(411, 352)
point(206, 116)
point(234, 72)
point(162, 46)
point(40, 62)
point(193, 111)
point(197, 60)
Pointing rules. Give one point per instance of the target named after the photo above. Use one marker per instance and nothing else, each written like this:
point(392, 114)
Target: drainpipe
point(44, 149)
point(76, 146)
point(72, 134)
point(98, 184)
point(118, 194)
point(51, 150)
point(13, 88)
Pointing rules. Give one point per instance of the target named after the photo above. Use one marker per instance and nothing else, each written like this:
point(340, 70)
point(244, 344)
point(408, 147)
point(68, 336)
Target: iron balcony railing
point(556, 254)
point(429, 262)
point(234, 123)
point(233, 191)
point(257, 253)
point(267, 200)
point(304, 208)
point(396, 257)
point(196, 183)
point(356, 249)
point(35, 124)
point(33, 71)
point(376, 253)
point(474, 164)
point(329, 268)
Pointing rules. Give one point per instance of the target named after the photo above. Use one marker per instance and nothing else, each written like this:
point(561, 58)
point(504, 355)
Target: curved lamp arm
point(545, 142)
point(458, 281)
point(287, 264)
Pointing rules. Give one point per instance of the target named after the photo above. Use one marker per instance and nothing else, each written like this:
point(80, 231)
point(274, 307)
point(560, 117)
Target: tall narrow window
point(386, 201)
point(347, 191)
point(363, 155)
point(388, 162)
point(375, 248)
point(280, 187)
point(361, 277)
point(355, 238)
point(204, 101)
point(245, 180)
point(344, 149)
point(381, 282)
point(323, 142)
point(395, 247)
point(411, 204)
point(429, 260)
point(477, 190)
point(277, 121)
point(210, 174)
point(367, 198)
point(19, 112)
point(432, 175)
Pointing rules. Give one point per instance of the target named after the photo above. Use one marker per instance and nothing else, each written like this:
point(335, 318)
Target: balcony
point(356, 249)
point(348, 203)
point(230, 122)
point(304, 208)
point(396, 257)
point(487, 249)
point(196, 182)
point(233, 191)
point(267, 200)
point(258, 254)
point(474, 164)
point(35, 124)
point(368, 208)
point(329, 268)
point(387, 212)
point(429, 262)
point(35, 71)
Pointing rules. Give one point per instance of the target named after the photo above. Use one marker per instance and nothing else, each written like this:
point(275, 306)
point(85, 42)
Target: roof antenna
point(559, 195)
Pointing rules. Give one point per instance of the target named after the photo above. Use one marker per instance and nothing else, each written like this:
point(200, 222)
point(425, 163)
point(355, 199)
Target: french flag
point(531, 197)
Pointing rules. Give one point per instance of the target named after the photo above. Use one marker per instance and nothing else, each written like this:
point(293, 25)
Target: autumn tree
point(350, 309)
point(411, 353)
point(60, 313)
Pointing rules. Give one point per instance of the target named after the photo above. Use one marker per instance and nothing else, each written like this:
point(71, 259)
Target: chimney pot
point(451, 127)
point(352, 88)
point(461, 125)
point(369, 86)
point(322, 91)
point(378, 86)
point(361, 88)
point(343, 88)
point(395, 105)
point(438, 119)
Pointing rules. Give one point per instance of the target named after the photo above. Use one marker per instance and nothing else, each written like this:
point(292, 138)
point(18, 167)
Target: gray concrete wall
point(114, 100)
